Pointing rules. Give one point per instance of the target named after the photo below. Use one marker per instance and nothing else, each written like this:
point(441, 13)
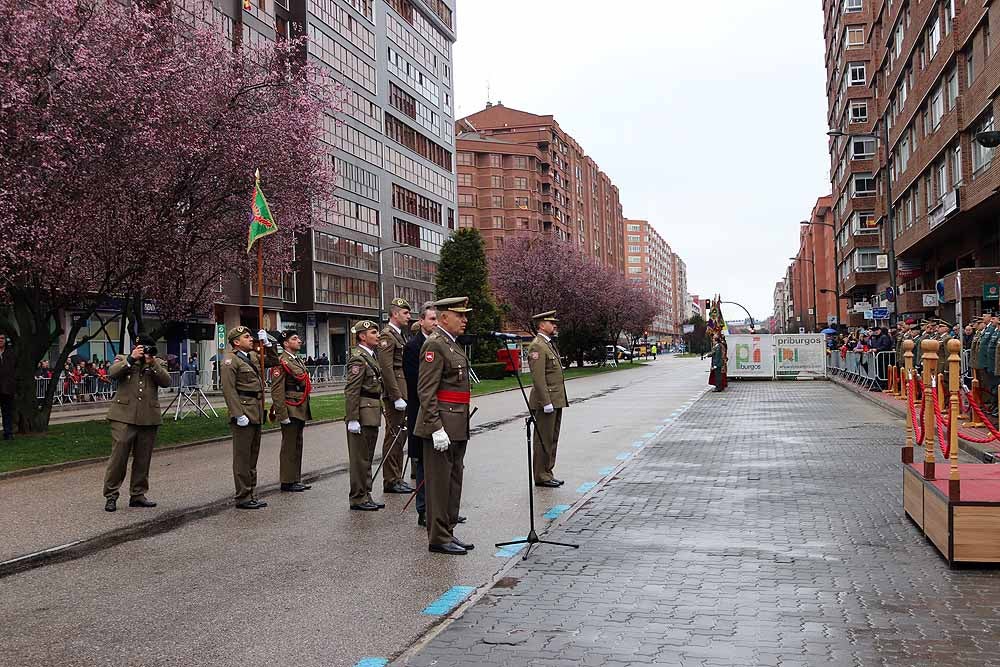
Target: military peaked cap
point(363, 325)
point(456, 304)
point(547, 316)
point(236, 332)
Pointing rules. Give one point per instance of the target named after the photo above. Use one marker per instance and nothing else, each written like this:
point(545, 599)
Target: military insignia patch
point(429, 356)
point(228, 362)
point(277, 372)
point(385, 343)
point(534, 355)
point(355, 370)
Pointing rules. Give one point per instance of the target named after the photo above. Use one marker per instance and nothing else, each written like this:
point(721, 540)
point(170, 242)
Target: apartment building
point(932, 74)
point(680, 294)
point(649, 261)
point(392, 147)
point(780, 319)
point(520, 174)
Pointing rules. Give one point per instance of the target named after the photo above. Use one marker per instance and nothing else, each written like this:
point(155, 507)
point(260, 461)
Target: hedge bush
point(493, 371)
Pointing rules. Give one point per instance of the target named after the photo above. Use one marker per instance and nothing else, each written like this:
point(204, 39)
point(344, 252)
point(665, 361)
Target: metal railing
point(96, 389)
point(867, 369)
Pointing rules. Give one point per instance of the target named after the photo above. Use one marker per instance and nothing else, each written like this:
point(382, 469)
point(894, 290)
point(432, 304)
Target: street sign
point(831, 320)
point(929, 300)
point(688, 328)
point(880, 313)
point(220, 336)
point(802, 330)
point(869, 315)
point(310, 319)
point(991, 292)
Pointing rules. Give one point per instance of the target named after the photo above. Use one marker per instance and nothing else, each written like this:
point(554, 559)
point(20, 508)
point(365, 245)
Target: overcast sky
point(709, 116)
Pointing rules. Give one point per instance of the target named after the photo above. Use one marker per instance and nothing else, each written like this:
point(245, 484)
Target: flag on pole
point(261, 221)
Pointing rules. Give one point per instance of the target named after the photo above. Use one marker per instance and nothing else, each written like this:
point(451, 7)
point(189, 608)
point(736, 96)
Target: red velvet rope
point(918, 434)
point(943, 427)
point(994, 434)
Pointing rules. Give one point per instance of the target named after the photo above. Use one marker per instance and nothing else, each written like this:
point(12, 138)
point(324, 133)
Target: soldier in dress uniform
point(548, 397)
point(243, 382)
point(444, 389)
point(290, 389)
point(943, 335)
point(390, 361)
point(421, 329)
point(977, 337)
point(363, 414)
point(135, 417)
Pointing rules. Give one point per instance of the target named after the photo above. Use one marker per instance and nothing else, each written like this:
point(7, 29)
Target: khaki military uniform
point(362, 404)
point(390, 362)
point(443, 388)
point(290, 389)
point(243, 389)
point(547, 386)
point(135, 417)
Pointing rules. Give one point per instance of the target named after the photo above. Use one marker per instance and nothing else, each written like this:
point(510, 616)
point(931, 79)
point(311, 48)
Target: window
point(862, 148)
point(523, 223)
point(414, 268)
point(346, 291)
point(856, 74)
point(465, 179)
point(970, 67)
point(859, 112)
point(635, 248)
point(936, 107)
point(862, 185)
point(951, 84)
point(467, 159)
point(866, 259)
point(332, 249)
point(521, 202)
point(634, 238)
point(417, 142)
point(633, 259)
point(634, 228)
point(466, 221)
point(418, 205)
point(934, 36)
point(497, 222)
point(863, 222)
point(465, 199)
point(496, 201)
point(852, 6)
point(855, 37)
point(496, 181)
point(955, 164)
point(981, 155)
point(414, 235)
point(635, 269)
point(940, 171)
point(493, 160)
point(520, 162)
point(520, 183)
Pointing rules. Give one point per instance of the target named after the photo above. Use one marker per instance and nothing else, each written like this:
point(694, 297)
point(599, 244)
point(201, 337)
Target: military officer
point(548, 397)
point(444, 390)
point(290, 389)
point(943, 335)
point(394, 397)
point(363, 414)
point(135, 417)
point(242, 382)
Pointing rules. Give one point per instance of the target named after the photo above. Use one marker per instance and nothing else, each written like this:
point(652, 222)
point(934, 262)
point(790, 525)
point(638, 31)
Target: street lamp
point(888, 206)
point(815, 304)
point(378, 257)
point(836, 263)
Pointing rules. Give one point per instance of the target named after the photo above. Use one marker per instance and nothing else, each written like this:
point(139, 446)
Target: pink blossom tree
point(596, 304)
point(128, 143)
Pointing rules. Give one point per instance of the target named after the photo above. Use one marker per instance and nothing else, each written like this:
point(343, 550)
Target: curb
point(973, 449)
point(149, 528)
point(402, 658)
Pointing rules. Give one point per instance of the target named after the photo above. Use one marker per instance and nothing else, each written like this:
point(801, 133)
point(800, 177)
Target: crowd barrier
point(866, 369)
point(95, 389)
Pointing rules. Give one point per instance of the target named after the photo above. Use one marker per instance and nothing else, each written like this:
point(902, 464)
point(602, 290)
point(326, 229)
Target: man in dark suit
point(411, 369)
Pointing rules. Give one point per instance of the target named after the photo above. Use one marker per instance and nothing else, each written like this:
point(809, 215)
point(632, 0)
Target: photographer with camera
point(135, 418)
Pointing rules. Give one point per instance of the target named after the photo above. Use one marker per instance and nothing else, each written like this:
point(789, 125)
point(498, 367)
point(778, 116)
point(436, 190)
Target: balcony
point(864, 278)
point(972, 280)
point(917, 301)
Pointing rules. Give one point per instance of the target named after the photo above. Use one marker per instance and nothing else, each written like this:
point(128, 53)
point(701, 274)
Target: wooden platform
point(966, 530)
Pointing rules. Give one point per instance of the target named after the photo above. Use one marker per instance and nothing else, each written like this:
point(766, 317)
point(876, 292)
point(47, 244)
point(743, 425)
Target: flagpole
point(260, 318)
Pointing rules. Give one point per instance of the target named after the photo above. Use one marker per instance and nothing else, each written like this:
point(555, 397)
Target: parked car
point(617, 352)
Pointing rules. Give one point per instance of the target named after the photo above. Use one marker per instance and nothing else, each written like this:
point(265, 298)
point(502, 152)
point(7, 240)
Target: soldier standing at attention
point(290, 389)
point(135, 418)
point(411, 369)
point(444, 390)
point(390, 361)
point(548, 398)
point(363, 414)
point(242, 382)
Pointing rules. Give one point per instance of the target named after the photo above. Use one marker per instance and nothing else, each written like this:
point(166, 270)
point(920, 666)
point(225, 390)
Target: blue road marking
point(638, 443)
point(554, 512)
point(372, 662)
point(649, 435)
point(586, 486)
point(606, 471)
point(511, 549)
point(668, 420)
point(448, 601)
point(624, 456)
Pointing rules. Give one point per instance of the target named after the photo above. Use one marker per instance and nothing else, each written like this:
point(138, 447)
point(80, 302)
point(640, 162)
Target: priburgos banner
point(750, 356)
point(800, 355)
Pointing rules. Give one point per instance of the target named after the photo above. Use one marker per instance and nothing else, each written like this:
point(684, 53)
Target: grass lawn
point(89, 439)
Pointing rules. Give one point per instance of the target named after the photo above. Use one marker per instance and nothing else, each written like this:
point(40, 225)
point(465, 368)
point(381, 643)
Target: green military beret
point(363, 325)
point(236, 332)
point(547, 316)
point(456, 304)
point(400, 303)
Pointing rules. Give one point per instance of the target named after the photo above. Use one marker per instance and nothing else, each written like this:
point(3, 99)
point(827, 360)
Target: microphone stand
point(532, 539)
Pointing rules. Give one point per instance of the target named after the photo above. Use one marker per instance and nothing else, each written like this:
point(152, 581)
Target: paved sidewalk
point(764, 527)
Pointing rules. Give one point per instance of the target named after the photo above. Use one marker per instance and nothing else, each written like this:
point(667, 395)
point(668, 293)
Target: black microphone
point(504, 336)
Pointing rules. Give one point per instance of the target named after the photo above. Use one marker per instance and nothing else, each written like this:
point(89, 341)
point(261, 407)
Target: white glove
point(441, 440)
point(548, 409)
point(400, 404)
point(354, 426)
point(262, 337)
point(242, 420)
point(286, 421)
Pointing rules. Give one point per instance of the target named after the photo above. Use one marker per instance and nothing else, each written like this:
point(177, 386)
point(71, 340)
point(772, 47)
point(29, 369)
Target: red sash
point(304, 379)
point(454, 396)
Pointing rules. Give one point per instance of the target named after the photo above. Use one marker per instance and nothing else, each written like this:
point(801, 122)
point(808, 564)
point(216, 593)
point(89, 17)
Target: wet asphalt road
point(307, 582)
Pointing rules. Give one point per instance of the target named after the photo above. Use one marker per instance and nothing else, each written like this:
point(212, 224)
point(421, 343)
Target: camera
point(150, 350)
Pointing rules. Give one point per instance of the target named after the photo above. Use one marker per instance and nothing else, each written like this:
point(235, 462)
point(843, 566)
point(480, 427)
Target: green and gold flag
point(261, 221)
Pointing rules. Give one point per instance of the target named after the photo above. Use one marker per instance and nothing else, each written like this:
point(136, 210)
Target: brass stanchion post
point(954, 378)
point(929, 350)
point(974, 396)
point(907, 454)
